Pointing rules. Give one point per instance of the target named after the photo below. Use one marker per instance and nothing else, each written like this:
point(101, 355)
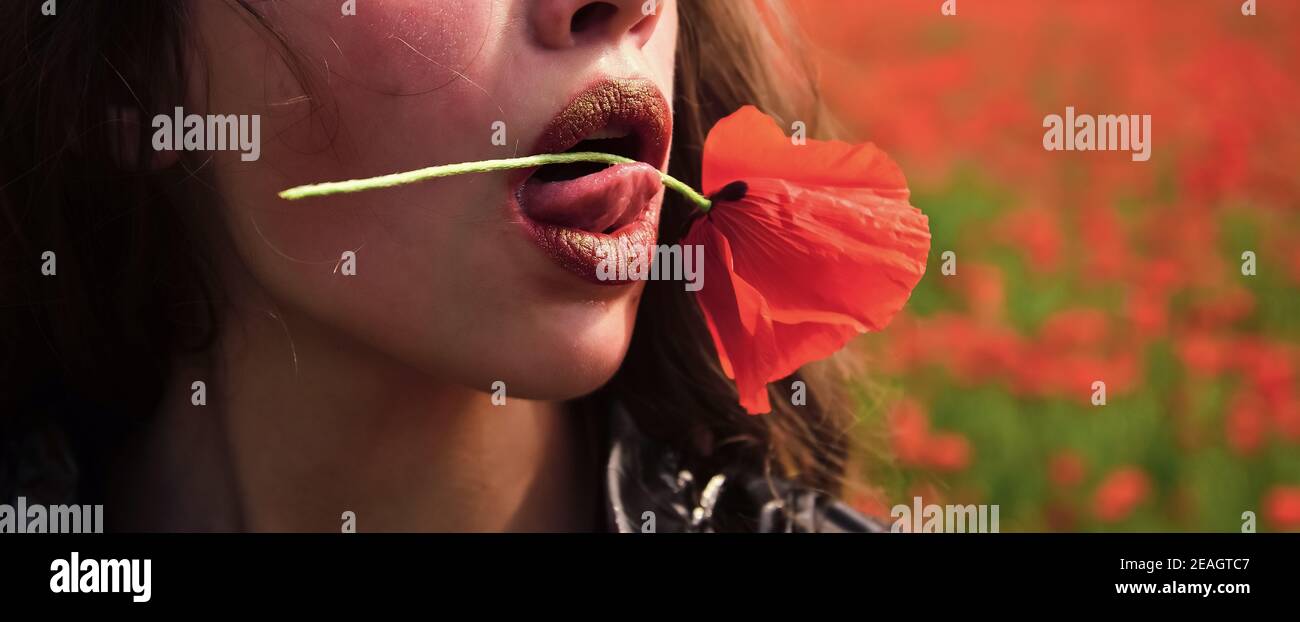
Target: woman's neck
point(302, 425)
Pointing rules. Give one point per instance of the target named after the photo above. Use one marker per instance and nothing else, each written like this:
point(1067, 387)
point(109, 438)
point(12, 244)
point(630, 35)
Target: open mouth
point(591, 196)
point(629, 118)
point(618, 141)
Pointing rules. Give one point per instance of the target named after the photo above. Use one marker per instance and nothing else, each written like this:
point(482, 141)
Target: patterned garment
point(648, 491)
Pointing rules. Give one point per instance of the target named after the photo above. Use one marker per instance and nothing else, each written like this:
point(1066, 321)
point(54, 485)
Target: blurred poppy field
point(1072, 268)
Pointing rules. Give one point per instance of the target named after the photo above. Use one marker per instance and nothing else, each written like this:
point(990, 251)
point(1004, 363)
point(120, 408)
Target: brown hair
point(135, 286)
point(729, 54)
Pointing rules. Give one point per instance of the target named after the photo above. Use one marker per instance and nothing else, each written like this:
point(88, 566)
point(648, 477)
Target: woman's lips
point(634, 104)
point(609, 217)
point(582, 252)
point(610, 198)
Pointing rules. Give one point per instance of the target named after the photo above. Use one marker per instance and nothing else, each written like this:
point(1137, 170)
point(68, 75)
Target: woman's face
point(475, 278)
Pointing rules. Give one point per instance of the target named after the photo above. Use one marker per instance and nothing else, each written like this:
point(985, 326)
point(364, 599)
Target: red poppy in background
point(1245, 425)
point(915, 446)
point(1282, 507)
point(1067, 469)
point(1120, 493)
point(948, 452)
point(910, 431)
point(806, 246)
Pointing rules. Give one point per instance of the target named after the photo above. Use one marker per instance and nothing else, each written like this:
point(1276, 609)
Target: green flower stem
point(484, 166)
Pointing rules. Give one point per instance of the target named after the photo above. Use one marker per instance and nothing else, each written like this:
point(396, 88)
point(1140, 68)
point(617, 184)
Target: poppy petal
point(831, 256)
point(821, 247)
point(737, 319)
point(749, 145)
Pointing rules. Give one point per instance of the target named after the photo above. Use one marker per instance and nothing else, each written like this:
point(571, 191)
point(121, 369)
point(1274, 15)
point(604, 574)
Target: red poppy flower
point(949, 452)
point(806, 246)
point(910, 429)
point(1066, 469)
point(1282, 507)
point(1120, 493)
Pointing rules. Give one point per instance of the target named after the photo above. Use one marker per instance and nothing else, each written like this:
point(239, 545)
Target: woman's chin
point(566, 361)
point(552, 379)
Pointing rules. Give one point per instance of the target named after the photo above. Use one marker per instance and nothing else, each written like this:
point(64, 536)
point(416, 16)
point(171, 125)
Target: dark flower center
point(733, 191)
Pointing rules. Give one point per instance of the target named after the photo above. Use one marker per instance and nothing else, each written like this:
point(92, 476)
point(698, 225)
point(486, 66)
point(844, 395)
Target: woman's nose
point(560, 24)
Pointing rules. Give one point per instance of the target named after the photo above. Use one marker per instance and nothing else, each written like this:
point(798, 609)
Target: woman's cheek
point(383, 94)
point(406, 47)
point(384, 91)
point(661, 50)
point(400, 76)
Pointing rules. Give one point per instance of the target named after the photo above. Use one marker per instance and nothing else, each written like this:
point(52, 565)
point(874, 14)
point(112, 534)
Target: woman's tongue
point(595, 202)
